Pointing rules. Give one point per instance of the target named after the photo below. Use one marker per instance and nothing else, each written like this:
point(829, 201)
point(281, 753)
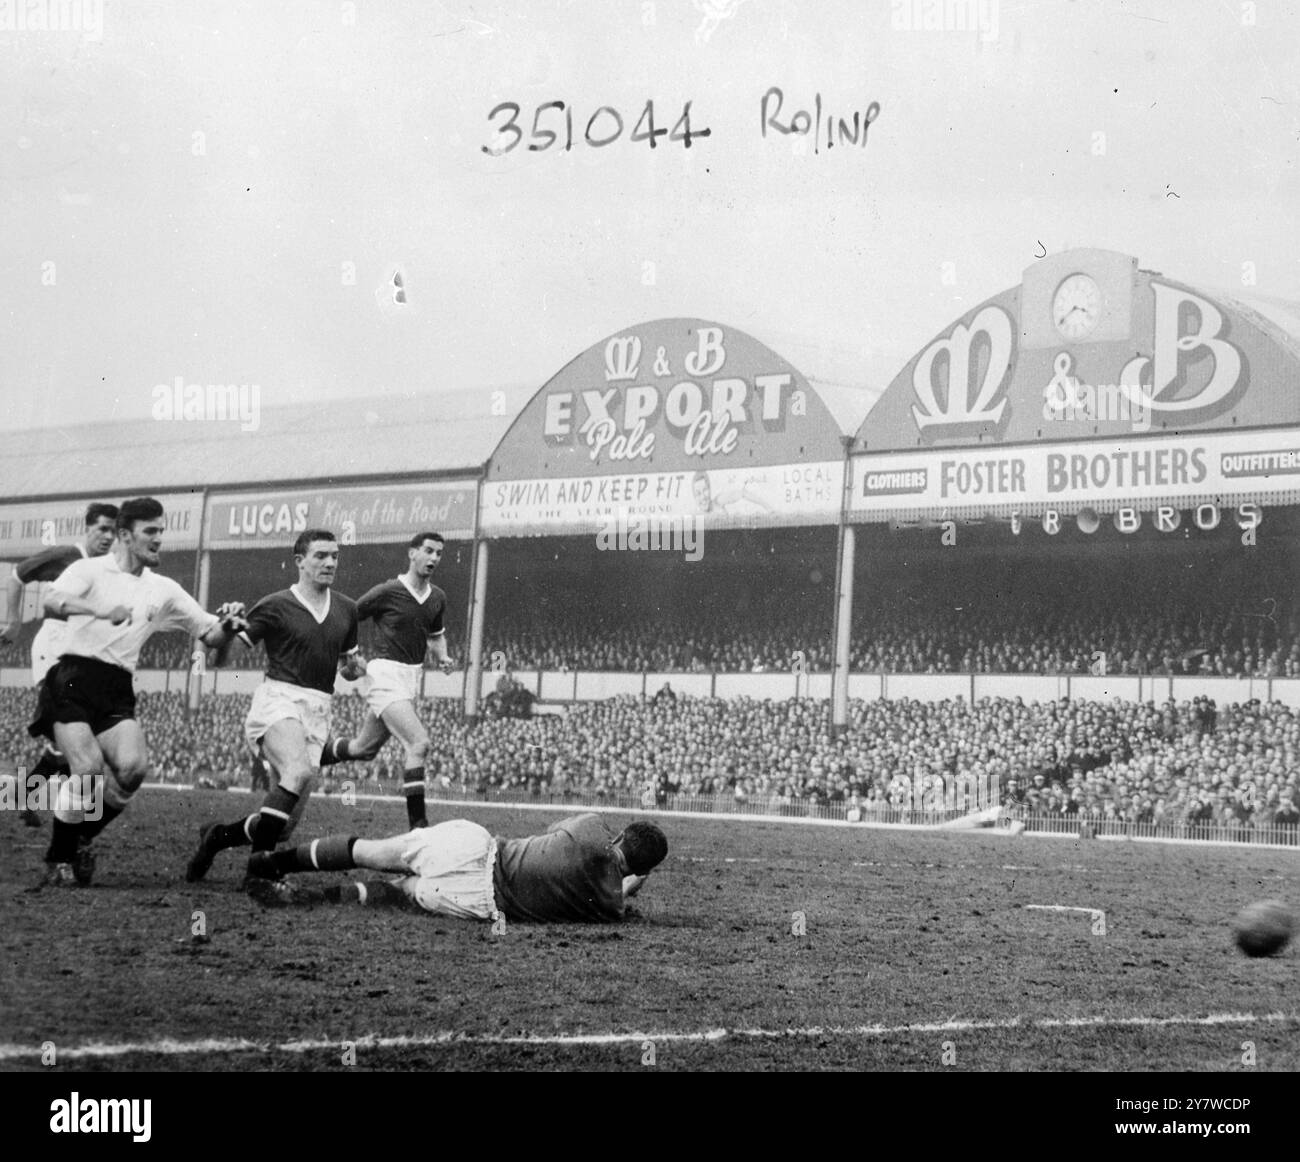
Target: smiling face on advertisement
point(702, 492)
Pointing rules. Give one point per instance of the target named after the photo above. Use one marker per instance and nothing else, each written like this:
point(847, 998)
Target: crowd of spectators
point(1184, 763)
point(1188, 764)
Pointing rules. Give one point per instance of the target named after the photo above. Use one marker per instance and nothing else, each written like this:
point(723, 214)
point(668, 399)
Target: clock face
point(1076, 307)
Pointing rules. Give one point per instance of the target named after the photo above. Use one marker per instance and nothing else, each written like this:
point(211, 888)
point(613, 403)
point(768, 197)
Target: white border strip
point(169, 1047)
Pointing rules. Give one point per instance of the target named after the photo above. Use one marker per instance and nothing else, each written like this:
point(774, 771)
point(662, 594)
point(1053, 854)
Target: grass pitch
point(759, 946)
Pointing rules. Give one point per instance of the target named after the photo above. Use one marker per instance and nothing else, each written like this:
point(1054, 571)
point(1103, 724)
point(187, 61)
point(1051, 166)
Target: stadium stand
point(1185, 604)
point(990, 619)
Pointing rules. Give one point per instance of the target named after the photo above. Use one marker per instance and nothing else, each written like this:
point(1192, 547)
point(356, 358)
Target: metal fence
point(766, 807)
point(836, 812)
point(1087, 828)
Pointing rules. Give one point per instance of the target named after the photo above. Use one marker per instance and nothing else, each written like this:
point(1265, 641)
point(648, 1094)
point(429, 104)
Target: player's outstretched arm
point(632, 885)
point(62, 606)
point(222, 635)
point(14, 603)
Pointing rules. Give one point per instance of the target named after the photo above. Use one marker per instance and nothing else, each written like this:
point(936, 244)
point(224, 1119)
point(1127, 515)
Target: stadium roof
point(376, 437)
point(1283, 314)
point(379, 437)
point(349, 439)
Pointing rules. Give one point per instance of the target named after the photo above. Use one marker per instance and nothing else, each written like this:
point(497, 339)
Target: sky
point(222, 193)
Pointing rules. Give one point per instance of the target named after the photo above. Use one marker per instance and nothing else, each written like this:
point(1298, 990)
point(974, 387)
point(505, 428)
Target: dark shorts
point(83, 690)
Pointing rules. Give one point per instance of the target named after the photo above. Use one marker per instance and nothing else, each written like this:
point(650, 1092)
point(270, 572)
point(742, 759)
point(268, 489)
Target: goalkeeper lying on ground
point(577, 870)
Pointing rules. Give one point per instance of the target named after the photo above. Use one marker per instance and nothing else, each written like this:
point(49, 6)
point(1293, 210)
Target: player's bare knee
point(117, 792)
point(418, 752)
point(130, 775)
point(86, 767)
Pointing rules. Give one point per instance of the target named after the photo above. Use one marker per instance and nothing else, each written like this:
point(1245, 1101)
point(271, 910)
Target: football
point(1263, 928)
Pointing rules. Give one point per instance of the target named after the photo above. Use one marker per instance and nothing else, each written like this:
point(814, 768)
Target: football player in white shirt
point(46, 566)
point(113, 604)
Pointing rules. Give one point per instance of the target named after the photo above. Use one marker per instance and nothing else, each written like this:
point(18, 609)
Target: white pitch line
point(976, 866)
point(176, 1048)
point(1062, 867)
point(1095, 913)
point(726, 859)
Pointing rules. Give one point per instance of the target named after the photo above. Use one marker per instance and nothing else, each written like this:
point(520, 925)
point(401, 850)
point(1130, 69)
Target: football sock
point(413, 789)
point(63, 842)
point(334, 751)
point(333, 853)
point(92, 827)
point(237, 834)
point(272, 818)
point(111, 796)
point(370, 893)
point(50, 763)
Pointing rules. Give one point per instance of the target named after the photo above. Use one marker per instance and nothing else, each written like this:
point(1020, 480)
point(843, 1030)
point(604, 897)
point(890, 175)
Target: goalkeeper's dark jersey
point(568, 873)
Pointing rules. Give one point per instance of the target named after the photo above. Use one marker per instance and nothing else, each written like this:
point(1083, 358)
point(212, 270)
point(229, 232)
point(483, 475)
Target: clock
point(1076, 307)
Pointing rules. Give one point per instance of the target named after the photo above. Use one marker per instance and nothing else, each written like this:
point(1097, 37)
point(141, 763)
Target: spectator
point(1130, 762)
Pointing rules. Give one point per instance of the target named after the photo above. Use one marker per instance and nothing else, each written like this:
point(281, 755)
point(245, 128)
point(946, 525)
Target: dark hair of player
point(645, 847)
point(137, 509)
point(96, 510)
point(305, 538)
point(418, 540)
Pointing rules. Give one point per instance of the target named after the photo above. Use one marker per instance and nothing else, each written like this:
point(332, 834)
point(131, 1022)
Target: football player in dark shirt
point(310, 633)
point(576, 871)
point(47, 645)
point(408, 614)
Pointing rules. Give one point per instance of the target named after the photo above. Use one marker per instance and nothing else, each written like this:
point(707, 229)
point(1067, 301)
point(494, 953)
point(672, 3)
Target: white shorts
point(47, 645)
point(275, 701)
point(388, 682)
point(451, 869)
